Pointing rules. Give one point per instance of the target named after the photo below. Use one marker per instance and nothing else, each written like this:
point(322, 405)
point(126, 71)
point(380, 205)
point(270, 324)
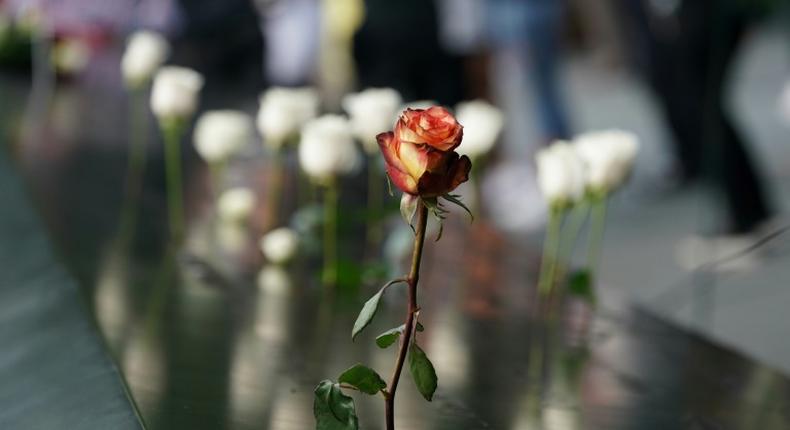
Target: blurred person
point(686, 49)
point(538, 25)
point(412, 61)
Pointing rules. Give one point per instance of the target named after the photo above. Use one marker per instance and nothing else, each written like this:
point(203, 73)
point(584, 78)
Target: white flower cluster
point(236, 204)
point(221, 133)
point(327, 149)
point(597, 163)
point(372, 111)
point(145, 52)
point(283, 111)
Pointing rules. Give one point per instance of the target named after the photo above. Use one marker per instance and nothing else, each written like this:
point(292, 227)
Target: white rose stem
point(374, 203)
point(138, 140)
point(550, 251)
point(171, 131)
point(217, 173)
point(331, 195)
point(597, 229)
point(571, 234)
point(274, 190)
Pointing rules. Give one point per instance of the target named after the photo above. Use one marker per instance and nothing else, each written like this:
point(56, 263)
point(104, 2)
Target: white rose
point(174, 94)
point(236, 204)
point(482, 124)
point(372, 112)
point(283, 111)
point(145, 52)
point(327, 148)
point(279, 245)
point(221, 133)
point(608, 158)
point(560, 173)
point(784, 103)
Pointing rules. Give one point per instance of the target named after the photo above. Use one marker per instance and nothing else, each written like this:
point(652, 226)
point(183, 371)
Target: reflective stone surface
point(207, 339)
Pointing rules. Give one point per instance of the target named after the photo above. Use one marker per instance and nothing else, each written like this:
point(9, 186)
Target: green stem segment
point(138, 132)
point(175, 200)
point(408, 332)
point(331, 196)
point(550, 252)
point(598, 222)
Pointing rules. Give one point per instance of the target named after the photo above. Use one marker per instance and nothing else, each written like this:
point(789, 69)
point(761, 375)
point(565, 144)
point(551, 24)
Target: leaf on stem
point(369, 310)
point(422, 372)
point(580, 284)
point(386, 339)
point(363, 378)
point(456, 199)
point(332, 409)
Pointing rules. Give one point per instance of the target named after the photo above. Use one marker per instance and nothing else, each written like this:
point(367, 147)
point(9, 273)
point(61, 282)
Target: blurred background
point(694, 262)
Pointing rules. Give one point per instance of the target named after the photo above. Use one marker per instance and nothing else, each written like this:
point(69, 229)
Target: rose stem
point(175, 204)
point(408, 327)
point(550, 251)
point(274, 191)
point(330, 235)
point(374, 203)
point(138, 132)
point(571, 234)
point(216, 175)
point(598, 221)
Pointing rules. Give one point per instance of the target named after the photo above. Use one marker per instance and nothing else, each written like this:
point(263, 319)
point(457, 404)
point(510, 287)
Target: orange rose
point(421, 170)
point(435, 127)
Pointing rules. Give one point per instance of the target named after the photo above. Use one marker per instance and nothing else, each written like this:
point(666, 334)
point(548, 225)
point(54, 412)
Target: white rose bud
point(327, 148)
point(220, 134)
point(236, 204)
point(174, 94)
point(145, 52)
point(372, 112)
point(784, 103)
point(608, 157)
point(282, 113)
point(279, 245)
point(482, 124)
point(560, 174)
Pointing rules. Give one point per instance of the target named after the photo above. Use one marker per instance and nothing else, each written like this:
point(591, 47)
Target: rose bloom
point(175, 92)
point(419, 153)
point(145, 53)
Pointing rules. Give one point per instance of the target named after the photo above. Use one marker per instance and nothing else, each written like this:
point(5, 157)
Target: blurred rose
point(327, 148)
point(482, 124)
point(435, 127)
point(71, 55)
point(236, 204)
point(221, 133)
point(560, 174)
point(145, 52)
point(420, 168)
point(608, 158)
point(174, 94)
point(371, 111)
point(283, 111)
point(279, 245)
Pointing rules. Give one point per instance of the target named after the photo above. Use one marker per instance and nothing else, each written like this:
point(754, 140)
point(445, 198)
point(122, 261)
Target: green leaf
point(454, 198)
point(580, 284)
point(366, 314)
point(386, 339)
point(422, 372)
point(364, 378)
point(332, 409)
point(369, 310)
